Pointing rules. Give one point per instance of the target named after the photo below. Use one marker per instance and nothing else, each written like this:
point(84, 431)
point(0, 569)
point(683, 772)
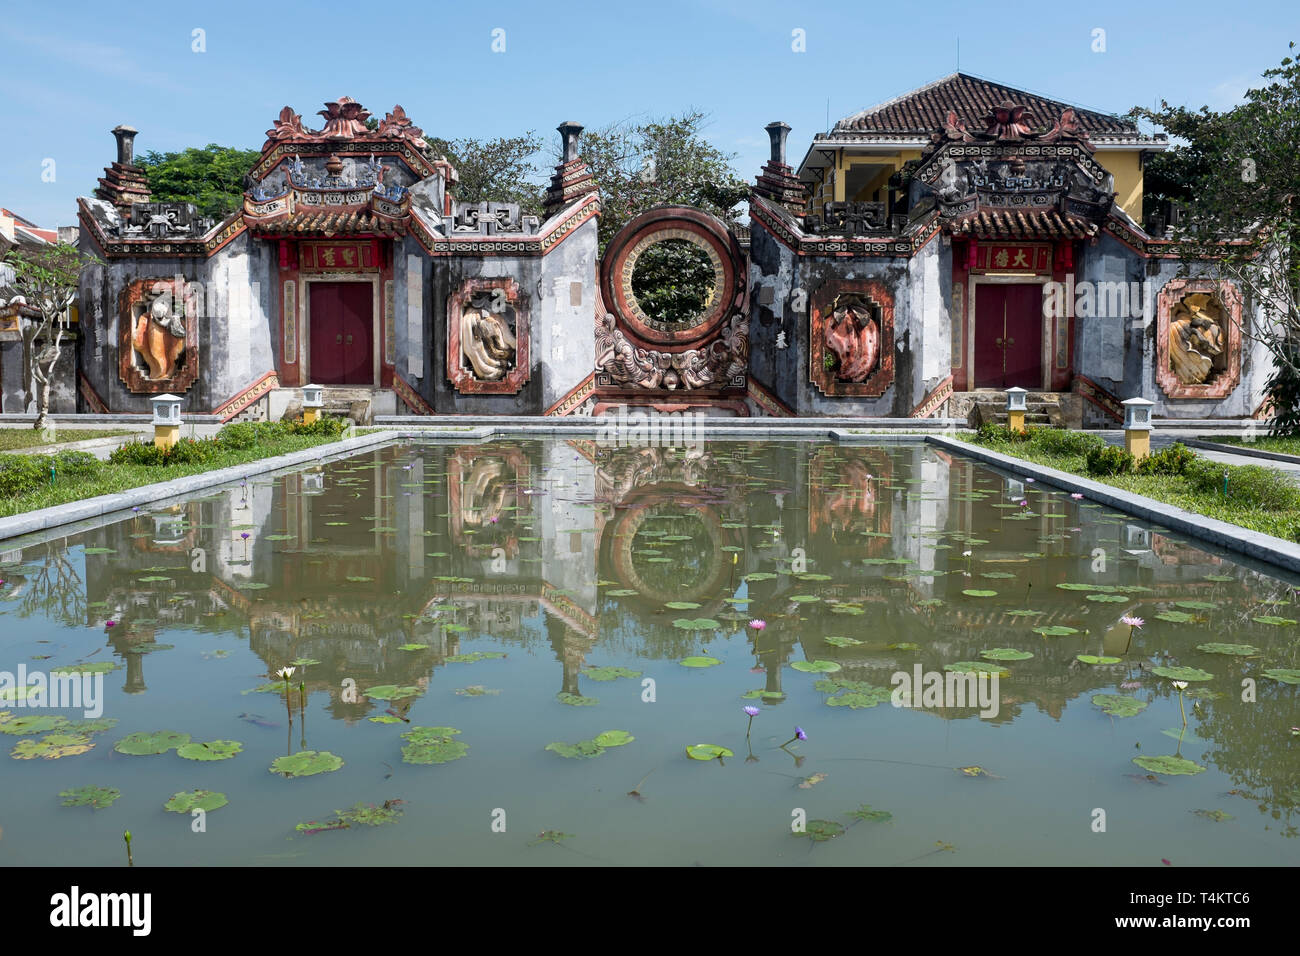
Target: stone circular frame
point(706, 233)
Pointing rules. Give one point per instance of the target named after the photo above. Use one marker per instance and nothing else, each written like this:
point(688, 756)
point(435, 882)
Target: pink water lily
point(758, 624)
point(1131, 621)
point(1076, 496)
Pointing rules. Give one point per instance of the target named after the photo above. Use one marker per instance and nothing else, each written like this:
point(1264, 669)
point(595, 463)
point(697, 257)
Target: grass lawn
point(1284, 446)
point(1259, 498)
point(109, 478)
point(12, 439)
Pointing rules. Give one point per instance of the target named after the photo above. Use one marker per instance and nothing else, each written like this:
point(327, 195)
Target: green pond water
point(478, 590)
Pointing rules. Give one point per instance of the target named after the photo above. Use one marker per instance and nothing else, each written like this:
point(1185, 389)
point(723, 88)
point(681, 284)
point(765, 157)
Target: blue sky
point(74, 70)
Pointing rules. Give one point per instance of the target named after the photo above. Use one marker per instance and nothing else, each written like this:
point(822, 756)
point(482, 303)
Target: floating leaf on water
point(763, 694)
point(1005, 654)
point(1169, 765)
point(474, 657)
point(759, 576)
point(1002, 575)
point(1055, 630)
point(1278, 621)
point(1094, 659)
point(1234, 650)
point(1176, 617)
point(187, 801)
point(476, 690)
point(52, 747)
point(811, 781)
point(576, 700)
point(582, 749)
point(146, 744)
point(865, 812)
point(1196, 605)
point(847, 642)
point(28, 725)
point(1182, 673)
point(1219, 577)
point(700, 662)
point(413, 647)
point(1076, 586)
point(978, 667)
point(97, 667)
point(359, 579)
point(271, 688)
point(819, 831)
point(96, 797)
point(860, 699)
point(697, 624)
point(816, 667)
point(371, 814)
point(609, 673)
point(813, 577)
point(212, 750)
point(1023, 612)
point(903, 646)
point(707, 752)
point(385, 719)
point(851, 609)
point(1118, 706)
point(613, 738)
point(1107, 598)
point(979, 592)
point(976, 771)
point(551, 836)
point(1203, 693)
point(1218, 816)
point(391, 692)
point(307, 763)
point(622, 592)
point(681, 605)
point(1283, 674)
point(804, 598)
point(98, 551)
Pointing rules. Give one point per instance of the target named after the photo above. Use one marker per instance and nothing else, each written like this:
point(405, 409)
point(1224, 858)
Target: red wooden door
point(1009, 336)
point(342, 333)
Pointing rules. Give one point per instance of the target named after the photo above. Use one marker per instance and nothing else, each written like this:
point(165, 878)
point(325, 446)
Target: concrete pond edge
point(1241, 451)
point(1230, 537)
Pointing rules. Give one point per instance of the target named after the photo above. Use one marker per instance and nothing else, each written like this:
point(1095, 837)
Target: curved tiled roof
point(328, 223)
point(1026, 223)
point(926, 109)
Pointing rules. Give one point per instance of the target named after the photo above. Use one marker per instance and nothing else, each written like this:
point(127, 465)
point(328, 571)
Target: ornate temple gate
point(1008, 332)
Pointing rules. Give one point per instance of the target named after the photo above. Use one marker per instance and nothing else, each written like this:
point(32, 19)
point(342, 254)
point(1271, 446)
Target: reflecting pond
point(502, 652)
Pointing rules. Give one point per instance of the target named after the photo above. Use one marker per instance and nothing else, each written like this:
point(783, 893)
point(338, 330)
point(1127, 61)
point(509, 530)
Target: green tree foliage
point(212, 177)
point(1239, 172)
point(496, 170)
point(662, 162)
point(673, 282)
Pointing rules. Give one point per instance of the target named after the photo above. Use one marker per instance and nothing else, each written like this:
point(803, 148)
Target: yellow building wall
point(1126, 166)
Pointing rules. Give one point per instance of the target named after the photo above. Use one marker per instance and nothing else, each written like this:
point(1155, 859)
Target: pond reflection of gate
point(483, 489)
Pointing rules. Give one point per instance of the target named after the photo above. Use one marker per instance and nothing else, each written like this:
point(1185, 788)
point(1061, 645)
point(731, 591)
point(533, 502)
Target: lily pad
point(582, 749)
point(1119, 706)
point(904, 646)
point(1283, 674)
point(1169, 764)
point(413, 647)
point(391, 692)
point(212, 750)
point(474, 657)
point(860, 699)
point(697, 624)
point(978, 667)
point(681, 605)
point(1106, 598)
point(865, 812)
point(1005, 654)
point(1233, 650)
point(33, 724)
point(707, 752)
point(52, 747)
point(1218, 816)
point(609, 673)
point(95, 797)
point(979, 592)
point(1176, 617)
point(1183, 673)
point(307, 763)
point(613, 738)
point(700, 662)
point(1196, 605)
point(819, 831)
point(1094, 659)
point(187, 801)
point(843, 642)
point(575, 700)
point(144, 744)
point(1055, 630)
point(94, 667)
point(371, 814)
point(1278, 621)
point(816, 667)
point(476, 690)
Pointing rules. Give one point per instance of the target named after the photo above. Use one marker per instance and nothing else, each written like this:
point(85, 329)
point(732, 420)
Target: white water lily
point(1180, 684)
point(967, 554)
point(284, 673)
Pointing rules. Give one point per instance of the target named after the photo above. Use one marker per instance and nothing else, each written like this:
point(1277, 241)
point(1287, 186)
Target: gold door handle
point(338, 339)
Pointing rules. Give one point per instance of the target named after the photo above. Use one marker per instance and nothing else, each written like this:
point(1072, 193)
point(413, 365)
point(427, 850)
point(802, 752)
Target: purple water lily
point(752, 711)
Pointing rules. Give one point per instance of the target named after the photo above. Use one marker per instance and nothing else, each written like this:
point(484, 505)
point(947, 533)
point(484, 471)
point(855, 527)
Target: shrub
point(1103, 460)
point(238, 435)
point(1168, 461)
point(21, 474)
point(1064, 443)
point(76, 464)
point(137, 453)
point(322, 427)
point(993, 433)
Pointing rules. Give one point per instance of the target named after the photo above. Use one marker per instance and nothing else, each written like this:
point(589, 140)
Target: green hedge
point(20, 474)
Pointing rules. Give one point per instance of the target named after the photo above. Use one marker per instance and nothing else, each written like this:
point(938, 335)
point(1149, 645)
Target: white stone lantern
point(166, 420)
point(313, 400)
point(1137, 426)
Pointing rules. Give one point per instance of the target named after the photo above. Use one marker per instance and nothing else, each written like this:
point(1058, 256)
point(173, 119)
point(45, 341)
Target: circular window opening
point(674, 284)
